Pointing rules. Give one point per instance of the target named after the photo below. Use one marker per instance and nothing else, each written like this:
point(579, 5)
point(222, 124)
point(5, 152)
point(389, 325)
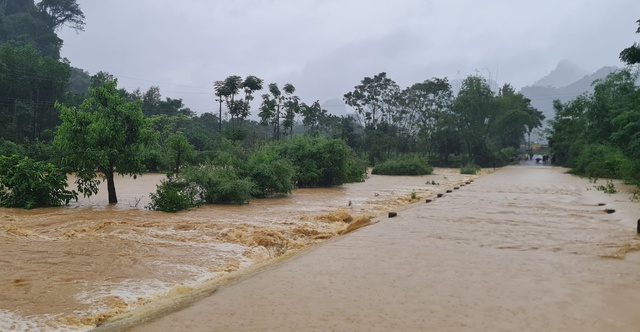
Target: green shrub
point(154, 160)
point(318, 161)
point(356, 168)
point(600, 161)
point(229, 154)
point(270, 174)
point(175, 195)
point(506, 156)
point(404, 165)
point(8, 148)
point(470, 168)
point(41, 151)
point(29, 184)
point(609, 188)
point(220, 184)
point(630, 170)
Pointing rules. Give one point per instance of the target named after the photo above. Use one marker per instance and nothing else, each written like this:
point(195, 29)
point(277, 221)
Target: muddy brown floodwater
point(520, 249)
point(73, 268)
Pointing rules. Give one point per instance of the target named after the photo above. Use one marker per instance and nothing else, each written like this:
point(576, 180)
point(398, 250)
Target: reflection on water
point(71, 268)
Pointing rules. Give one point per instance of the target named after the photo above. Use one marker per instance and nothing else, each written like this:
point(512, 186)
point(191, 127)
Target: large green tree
point(30, 84)
point(376, 103)
point(373, 99)
point(24, 23)
point(631, 54)
point(59, 13)
point(178, 149)
point(422, 105)
point(228, 90)
point(104, 135)
point(476, 113)
point(515, 118)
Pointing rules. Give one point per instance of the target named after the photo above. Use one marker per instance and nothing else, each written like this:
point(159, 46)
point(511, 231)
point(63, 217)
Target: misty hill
point(542, 97)
point(565, 74)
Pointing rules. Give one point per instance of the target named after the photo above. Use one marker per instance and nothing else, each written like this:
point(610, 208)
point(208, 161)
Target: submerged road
point(525, 248)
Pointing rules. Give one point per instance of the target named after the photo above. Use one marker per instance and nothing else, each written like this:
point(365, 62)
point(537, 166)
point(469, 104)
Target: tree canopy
point(106, 133)
point(631, 54)
point(598, 134)
point(24, 23)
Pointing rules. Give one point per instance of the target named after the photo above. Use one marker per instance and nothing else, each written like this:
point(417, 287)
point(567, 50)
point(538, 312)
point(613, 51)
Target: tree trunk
point(220, 117)
point(111, 187)
point(178, 163)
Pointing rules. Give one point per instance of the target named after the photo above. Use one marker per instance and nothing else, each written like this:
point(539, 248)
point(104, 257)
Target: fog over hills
point(565, 74)
point(564, 83)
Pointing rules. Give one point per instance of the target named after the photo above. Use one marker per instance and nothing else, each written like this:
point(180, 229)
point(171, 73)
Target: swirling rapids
point(71, 268)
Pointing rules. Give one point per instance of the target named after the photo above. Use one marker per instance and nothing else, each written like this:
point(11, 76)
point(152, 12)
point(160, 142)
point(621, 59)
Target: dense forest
point(55, 115)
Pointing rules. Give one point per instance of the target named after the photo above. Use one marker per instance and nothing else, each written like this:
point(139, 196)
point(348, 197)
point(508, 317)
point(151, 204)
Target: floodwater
point(525, 248)
point(74, 268)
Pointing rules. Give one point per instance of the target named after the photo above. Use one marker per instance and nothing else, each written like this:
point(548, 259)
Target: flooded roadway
point(73, 268)
point(522, 249)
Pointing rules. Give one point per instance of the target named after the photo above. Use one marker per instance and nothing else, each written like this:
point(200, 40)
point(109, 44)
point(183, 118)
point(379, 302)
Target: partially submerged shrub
point(609, 188)
point(29, 184)
point(318, 161)
point(175, 195)
point(470, 169)
point(404, 165)
point(220, 184)
point(601, 161)
point(270, 174)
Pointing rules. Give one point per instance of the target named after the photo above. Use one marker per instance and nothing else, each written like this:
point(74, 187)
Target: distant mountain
point(542, 97)
point(565, 74)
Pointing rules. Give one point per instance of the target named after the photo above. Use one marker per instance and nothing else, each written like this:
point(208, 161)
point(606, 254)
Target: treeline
point(54, 114)
point(598, 134)
point(477, 126)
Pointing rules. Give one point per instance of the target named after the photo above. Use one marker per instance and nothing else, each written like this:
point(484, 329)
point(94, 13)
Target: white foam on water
point(11, 321)
point(129, 291)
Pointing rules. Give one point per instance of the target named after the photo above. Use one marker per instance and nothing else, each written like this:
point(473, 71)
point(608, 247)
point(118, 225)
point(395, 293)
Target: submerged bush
point(601, 161)
point(318, 161)
point(404, 165)
point(29, 184)
point(356, 168)
point(220, 184)
point(470, 168)
point(175, 195)
point(270, 174)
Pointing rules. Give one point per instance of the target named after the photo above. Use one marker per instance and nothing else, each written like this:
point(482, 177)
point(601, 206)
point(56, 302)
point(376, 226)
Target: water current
point(73, 268)
point(525, 248)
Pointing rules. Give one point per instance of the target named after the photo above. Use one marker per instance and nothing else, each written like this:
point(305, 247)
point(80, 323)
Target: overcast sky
point(325, 47)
